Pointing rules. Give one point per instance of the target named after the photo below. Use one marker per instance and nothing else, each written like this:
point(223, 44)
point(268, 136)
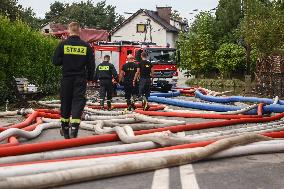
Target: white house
point(53, 27)
point(149, 26)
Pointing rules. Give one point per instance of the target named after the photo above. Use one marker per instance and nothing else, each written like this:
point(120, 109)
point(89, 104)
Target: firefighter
point(106, 73)
point(145, 73)
point(127, 74)
point(77, 61)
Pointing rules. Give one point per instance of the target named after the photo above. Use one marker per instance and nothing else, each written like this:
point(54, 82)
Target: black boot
point(74, 130)
point(109, 107)
point(128, 102)
point(133, 103)
point(133, 106)
point(102, 104)
point(145, 104)
point(64, 131)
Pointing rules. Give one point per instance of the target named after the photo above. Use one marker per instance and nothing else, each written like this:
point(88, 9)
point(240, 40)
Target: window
point(141, 28)
point(46, 30)
point(163, 56)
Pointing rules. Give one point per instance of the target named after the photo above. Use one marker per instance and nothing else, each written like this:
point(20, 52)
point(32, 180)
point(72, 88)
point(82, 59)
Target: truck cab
point(164, 61)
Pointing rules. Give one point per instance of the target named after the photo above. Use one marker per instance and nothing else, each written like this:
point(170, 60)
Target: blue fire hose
point(276, 108)
point(230, 99)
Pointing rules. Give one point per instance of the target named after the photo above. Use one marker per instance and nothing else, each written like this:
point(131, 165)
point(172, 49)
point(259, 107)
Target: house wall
point(172, 38)
point(46, 27)
point(176, 24)
point(129, 31)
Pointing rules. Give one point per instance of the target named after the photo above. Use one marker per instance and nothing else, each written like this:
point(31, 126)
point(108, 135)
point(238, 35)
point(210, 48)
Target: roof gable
point(55, 27)
point(153, 15)
point(162, 22)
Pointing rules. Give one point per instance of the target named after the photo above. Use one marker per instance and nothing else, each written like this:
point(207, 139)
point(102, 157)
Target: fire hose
point(9, 181)
point(61, 144)
point(231, 99)
point(276, 108)
point(120, 168)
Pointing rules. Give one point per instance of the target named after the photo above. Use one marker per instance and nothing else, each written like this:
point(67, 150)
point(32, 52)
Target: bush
point(229, 58)
point(26, 53)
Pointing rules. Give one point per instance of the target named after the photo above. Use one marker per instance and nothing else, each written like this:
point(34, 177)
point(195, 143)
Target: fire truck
point(164, 60)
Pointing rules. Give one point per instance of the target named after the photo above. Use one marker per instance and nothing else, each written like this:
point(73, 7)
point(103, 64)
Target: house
point(89, 35)
point(53, 27)
point(149, 26)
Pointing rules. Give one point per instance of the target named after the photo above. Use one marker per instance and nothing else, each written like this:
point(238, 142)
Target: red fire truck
point(164, 59)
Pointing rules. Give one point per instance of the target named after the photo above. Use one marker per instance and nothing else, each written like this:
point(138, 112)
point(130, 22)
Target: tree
point(197, 47)
point(87, 13)
point(29, 17)
point(56, 11)
point(228, 16)
point(176, 15)
point(10, 8)
point(230, 57)
point(262, 27)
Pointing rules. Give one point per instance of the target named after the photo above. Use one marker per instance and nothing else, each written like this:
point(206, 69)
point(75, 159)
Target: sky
point(185, 7)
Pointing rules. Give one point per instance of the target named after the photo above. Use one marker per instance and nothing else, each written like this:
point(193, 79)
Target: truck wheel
point(166, 88)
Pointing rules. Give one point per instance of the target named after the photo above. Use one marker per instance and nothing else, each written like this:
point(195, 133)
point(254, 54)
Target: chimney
point(165, 13)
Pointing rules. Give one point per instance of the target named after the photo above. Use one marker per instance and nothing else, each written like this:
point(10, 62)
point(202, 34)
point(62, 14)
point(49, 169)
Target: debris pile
point(270, 76)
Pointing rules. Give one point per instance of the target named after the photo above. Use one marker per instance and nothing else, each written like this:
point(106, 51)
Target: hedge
point(26, 53)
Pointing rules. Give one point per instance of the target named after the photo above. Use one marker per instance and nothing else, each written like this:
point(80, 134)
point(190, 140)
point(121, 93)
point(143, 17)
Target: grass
point(50, 97)
point(216, 82)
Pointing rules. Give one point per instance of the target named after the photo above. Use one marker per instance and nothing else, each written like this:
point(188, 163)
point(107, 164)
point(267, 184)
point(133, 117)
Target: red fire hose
point(184, 146)
point(195, 115)
point(13, 141)
point(260, 109)
point(30, 119)
point(61, 144)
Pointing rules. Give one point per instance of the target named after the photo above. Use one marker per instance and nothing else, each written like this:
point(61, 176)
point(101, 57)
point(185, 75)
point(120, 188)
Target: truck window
point(162, 57)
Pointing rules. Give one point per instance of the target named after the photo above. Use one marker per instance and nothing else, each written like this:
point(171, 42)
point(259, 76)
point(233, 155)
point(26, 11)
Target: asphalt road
point(250, 172)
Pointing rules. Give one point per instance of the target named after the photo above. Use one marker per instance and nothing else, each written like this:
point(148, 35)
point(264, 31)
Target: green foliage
point(88, 14)
point(263, 25)
point(176, 15)
point(230, 57)
point(12, 10)
point(29, 17)
point(25, 53)
point(256, 25)
point(228, 16)
point(56, 11)
point(197, 47)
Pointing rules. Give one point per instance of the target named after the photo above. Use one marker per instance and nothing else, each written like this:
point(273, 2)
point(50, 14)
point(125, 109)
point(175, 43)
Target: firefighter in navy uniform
point(105, 73)
point(145, 73)
point(77, 61)
point(127, 74)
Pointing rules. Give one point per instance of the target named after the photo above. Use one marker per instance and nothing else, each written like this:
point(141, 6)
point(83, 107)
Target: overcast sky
point(183, 6)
